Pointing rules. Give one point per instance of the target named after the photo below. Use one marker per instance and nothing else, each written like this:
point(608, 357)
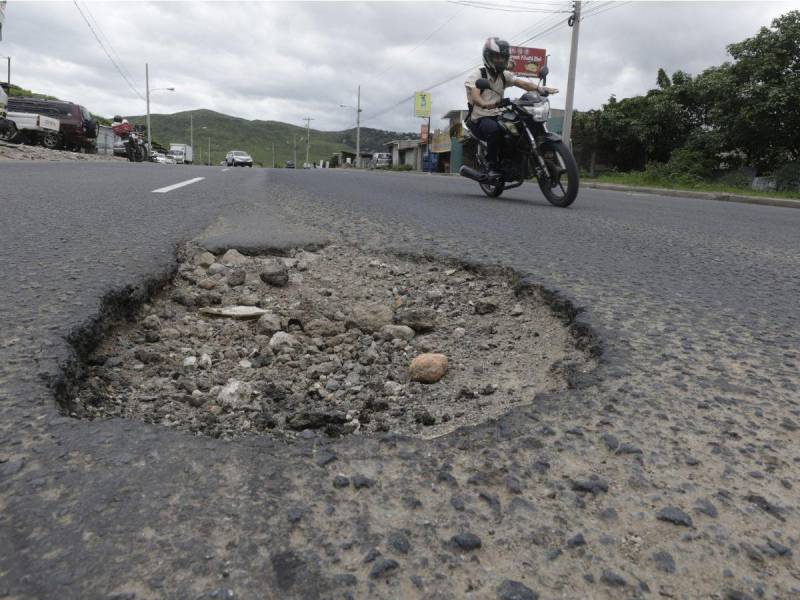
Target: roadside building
point(406, 152)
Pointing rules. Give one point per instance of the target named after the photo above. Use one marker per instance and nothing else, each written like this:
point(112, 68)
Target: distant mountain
point(254, 137)
point(257, 137)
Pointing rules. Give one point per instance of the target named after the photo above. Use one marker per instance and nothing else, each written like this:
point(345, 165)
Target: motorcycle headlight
point(540, 111)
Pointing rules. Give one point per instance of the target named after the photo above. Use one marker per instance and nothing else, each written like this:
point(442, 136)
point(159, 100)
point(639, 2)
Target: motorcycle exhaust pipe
point(471, 173)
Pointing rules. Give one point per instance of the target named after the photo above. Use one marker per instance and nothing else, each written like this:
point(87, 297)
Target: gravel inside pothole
point(331, 348)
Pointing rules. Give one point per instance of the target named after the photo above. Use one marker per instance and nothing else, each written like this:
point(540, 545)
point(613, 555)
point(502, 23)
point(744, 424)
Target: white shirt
point(493, 95)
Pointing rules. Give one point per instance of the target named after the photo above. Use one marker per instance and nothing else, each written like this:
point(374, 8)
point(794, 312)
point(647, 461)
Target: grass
point(640, 178)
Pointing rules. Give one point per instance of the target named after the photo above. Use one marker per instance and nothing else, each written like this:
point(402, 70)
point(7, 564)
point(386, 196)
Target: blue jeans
point(489, 130)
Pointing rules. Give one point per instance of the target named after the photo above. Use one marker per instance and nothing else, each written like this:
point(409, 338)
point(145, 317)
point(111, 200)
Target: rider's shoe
point(493, 173)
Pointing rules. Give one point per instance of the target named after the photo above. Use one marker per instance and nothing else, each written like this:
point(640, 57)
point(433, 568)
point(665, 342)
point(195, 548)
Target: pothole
point(328, 347)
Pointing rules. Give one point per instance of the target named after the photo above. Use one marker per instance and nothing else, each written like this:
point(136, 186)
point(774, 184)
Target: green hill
point(257, 137)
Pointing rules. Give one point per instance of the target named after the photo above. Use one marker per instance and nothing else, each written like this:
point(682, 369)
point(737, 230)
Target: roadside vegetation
point(712, 132)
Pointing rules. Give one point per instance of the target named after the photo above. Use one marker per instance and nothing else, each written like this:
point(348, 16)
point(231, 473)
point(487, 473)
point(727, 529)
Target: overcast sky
point(286, 61)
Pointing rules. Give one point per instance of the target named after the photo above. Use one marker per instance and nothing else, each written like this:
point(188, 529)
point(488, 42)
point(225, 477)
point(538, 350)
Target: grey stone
point(466, 541)
point(383, 567)
point(369, 317)
point(237, 277)
point(514, 590)
point(576, 541)
point(362, 481)
point(485, 307)
point(664, 562)
point(268, 324)
point(274, 272)
point(612, 579)
point(420, 319)
point(674, 515)
point(231, 257)
point(594, 485)
point(398, 541)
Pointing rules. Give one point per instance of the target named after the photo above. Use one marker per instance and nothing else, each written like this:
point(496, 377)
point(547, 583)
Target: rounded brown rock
point(428, 368)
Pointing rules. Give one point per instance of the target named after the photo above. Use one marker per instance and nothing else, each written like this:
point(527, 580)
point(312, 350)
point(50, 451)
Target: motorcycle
point(135, 147)
point(527, 150)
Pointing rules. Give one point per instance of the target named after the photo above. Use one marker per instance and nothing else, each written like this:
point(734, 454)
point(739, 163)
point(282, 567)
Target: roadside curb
point(721, 197)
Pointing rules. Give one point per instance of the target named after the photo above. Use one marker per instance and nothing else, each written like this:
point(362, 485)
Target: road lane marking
point(228, 169)
point(169, 188)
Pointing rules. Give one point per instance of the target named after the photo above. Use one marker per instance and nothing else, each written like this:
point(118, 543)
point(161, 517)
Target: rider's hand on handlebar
point(504, 102)
point(546, 91)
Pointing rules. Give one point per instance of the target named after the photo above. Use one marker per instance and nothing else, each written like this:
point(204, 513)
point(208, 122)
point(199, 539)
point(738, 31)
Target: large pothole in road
point(238, 345)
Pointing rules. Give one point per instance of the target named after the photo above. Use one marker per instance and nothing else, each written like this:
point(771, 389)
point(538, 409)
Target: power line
point(429, 36)
point(506, 8)
point(538, 31)
point(106, 40)
point(547, 27)
point(113, 62)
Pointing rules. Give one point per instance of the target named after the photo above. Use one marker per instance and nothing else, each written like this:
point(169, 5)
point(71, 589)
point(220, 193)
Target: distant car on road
point(237, 158)
point(290, 164)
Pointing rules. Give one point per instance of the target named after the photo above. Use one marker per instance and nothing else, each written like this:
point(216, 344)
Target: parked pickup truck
point(4, 122)
point(31, 128)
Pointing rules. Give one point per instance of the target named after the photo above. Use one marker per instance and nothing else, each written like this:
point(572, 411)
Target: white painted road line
point(228, 169)
point(169, 188)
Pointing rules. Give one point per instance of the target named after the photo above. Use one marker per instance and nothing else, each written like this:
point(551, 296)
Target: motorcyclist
point(486, 105)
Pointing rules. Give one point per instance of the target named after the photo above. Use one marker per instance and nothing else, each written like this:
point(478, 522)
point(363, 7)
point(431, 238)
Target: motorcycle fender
point(547, 137)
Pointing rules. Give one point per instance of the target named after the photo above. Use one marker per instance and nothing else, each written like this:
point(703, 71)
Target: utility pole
point(295, 151)
point(358, 129)
point(308, 137)
point(209, 151)
point(191, 131)
point(147, 87)
point(575, 22)
point(273, 155)
point(8, 78)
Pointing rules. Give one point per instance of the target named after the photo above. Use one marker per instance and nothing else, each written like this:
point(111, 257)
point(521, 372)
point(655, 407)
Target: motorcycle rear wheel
point(560, 164)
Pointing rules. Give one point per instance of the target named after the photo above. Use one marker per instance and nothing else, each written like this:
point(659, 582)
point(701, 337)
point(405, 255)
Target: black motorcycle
point(527, 150)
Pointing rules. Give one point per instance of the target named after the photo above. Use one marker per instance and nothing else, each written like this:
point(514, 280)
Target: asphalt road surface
point(673, 472)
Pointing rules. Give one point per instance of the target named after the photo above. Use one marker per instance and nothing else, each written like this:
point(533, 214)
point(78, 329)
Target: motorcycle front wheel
point(563, 172)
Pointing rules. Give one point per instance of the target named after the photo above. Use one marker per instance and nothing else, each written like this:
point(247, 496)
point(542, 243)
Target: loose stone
point(428, 368)
point(466, 541)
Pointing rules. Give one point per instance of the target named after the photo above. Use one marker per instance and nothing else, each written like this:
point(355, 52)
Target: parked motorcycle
point(527, 150)
point(135, 147)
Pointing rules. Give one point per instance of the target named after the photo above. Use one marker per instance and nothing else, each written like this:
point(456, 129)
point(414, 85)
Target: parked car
point(5, 124)
point(237, 158)
point(380, 160)
point(78, 131)
point(162, 158)
point(290, 164)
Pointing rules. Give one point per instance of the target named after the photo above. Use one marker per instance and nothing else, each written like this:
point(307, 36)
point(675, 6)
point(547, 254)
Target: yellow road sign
point(422, 104)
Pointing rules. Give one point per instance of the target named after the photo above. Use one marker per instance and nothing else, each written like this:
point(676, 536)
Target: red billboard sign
point(527, 61)
point(423, 133)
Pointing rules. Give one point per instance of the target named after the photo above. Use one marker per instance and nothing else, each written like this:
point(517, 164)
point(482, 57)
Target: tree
point(663, 79)
point(758, 95)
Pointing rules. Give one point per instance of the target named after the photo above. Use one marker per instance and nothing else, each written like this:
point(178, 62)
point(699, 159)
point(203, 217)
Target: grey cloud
point(285, 61)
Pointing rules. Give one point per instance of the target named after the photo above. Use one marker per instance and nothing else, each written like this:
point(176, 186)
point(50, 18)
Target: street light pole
point(308, 137)
point(358, 130)
point(191, 131)
point(8, 79)
point(147, 88)
point(209, 151)
point(573, 59)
